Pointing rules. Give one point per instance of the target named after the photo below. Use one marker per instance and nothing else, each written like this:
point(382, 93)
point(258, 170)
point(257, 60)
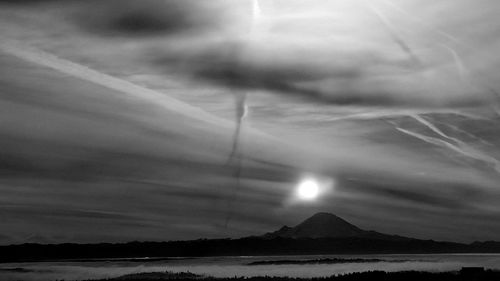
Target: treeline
point(487, 275)
point(237, 247)
point(320, 261)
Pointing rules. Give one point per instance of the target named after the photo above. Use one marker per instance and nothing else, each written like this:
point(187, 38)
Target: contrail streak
point(241, 112)
point(236, 155)
point(132, 90)
point(432, 127)
point(127, 88)
point(457, 145)
point(462, 70)
point(394, 34)
point(422, 22)
point(456, 128)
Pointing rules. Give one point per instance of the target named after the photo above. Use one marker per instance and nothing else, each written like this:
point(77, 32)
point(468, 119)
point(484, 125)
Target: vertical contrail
point(256, 11)
point(236, 156)
point(241, 96)
point(241, 112)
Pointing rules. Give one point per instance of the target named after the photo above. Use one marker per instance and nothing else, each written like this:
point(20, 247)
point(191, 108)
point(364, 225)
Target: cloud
point(144, 18)
point(130, 18)
point(150, 138)
point(341, 68)
point(336, 53)
point(421, 193)
point(79, 136)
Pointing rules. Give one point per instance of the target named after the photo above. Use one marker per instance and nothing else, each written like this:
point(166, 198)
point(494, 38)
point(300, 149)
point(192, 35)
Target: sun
point(311, 189)
point(308, 189)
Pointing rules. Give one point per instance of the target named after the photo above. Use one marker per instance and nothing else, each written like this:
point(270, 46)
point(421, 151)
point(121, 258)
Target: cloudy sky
point(178, 119)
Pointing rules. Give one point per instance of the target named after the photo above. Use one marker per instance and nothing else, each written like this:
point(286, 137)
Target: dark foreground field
point(487, 275)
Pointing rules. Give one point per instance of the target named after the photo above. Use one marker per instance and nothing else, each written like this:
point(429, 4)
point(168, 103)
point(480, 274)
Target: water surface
point(238, 266)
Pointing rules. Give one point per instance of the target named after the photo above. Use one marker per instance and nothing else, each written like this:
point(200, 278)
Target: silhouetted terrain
point(320, 261)
point(361, 276)
point(325, 225)
point(288, 241)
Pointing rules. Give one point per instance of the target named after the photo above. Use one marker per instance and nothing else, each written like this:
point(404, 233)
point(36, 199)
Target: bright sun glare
point(308, 189)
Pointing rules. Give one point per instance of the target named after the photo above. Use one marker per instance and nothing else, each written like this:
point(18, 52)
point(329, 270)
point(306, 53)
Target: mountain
point(320, 234)
point(320, 225)
point(326, 225)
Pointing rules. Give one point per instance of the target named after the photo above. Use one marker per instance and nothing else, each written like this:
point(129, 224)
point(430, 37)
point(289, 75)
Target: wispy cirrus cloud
point(128, 107)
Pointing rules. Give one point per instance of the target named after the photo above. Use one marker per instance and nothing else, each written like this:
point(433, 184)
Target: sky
point(164, 120)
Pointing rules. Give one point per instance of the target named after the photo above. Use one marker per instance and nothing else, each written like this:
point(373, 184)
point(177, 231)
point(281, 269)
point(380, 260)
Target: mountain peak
point(326, 225)
point(324, 216)
point(320, 225)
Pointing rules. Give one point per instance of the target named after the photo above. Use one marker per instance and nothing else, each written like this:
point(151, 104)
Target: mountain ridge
point(312, 237)
point(327, 225)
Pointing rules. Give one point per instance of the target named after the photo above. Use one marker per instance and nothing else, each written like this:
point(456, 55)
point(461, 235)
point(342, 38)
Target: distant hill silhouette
point(322, 233)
